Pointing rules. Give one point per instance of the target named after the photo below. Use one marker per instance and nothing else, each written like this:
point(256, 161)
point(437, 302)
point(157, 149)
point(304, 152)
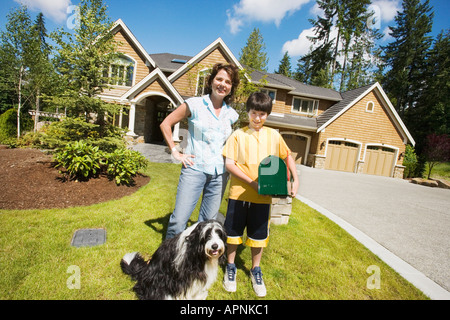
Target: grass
point(440, 171)
point(310, 258)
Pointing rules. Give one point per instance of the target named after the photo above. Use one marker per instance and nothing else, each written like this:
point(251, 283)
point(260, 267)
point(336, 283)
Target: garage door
point(379, 160)
point(341, 155)
point(297, 144)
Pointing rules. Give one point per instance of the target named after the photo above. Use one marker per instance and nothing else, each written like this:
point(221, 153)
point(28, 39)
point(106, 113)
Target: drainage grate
point(88, 237)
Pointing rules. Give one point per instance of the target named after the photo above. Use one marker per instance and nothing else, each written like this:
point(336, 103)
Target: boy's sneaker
point(258, 282)
point(229, 278)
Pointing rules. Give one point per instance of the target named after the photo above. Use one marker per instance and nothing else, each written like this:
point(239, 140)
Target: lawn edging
point(430, 288)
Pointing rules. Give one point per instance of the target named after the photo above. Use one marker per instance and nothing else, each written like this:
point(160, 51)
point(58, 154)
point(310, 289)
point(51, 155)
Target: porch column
point(132, 120)
point(120, 117)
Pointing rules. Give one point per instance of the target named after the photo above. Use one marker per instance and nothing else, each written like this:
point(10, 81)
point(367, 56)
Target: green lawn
point(440, 171)
point(310, 258)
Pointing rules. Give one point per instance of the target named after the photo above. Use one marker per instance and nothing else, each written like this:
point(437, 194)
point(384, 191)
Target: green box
point(273, 177)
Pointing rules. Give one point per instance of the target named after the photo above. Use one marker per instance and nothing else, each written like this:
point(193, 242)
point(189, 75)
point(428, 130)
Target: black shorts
point(254, 216)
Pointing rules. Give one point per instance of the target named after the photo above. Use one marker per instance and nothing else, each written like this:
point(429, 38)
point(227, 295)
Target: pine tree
point(253, 55)
point(285, 66)
point(406, 55)
point(341, 34)
point(42, 73)
point(431, 113)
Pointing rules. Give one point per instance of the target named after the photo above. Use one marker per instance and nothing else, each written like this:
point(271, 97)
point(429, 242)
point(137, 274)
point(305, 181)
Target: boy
point(244, 151)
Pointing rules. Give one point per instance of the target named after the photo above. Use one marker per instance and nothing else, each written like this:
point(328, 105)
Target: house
point(356, 131)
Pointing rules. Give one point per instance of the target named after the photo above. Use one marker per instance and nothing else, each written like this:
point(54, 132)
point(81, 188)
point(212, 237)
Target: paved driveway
point(410, 220)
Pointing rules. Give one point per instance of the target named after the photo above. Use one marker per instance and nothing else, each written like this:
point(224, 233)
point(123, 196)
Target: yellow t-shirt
point(247, 148)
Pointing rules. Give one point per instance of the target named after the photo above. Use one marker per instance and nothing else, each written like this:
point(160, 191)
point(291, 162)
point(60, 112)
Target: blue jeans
point(190, 186)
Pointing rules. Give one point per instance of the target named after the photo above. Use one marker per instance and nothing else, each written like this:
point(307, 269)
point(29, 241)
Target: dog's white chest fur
point(192, 259)
point(199, 290)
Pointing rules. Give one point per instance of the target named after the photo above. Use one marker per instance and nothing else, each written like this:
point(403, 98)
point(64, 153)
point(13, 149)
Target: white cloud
point(386, 35)
point(55, 10)
point(316, 10)
point(299, 46)
point(387, 9)
point(261, 10)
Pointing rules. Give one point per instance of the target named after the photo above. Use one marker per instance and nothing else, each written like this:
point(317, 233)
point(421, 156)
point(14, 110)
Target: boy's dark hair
point(259, 101)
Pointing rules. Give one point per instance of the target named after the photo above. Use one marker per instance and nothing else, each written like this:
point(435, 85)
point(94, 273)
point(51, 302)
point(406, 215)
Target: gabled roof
point(169, 62)
point(120, 25)
point(350, 98)
point(292, 121)
point(347, 98)
point(150, 78)
point(295, 87)
point(218, 43)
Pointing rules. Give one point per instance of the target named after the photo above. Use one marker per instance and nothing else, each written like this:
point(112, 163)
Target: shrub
point(81, 160)
point(60, 133)
point(410, 162)
point(8, 126)
point(123, 164)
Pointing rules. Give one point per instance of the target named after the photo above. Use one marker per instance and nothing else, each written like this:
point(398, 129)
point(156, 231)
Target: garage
point(379, 160)
point(341, 155)
point(298, 145)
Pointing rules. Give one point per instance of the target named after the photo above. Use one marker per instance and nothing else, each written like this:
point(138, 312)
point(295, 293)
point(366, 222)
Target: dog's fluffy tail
point(132, 263)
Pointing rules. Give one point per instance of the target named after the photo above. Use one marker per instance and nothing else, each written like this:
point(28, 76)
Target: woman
point(210, 119)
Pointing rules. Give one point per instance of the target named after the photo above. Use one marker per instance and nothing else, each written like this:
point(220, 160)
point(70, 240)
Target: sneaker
point(229, 278)
point(258, 282)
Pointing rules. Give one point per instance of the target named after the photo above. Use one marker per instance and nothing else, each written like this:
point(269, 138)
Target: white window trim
point(373, 106)
point(203, 71)
point(134, 73)
point(270, 90)
point(305, 113)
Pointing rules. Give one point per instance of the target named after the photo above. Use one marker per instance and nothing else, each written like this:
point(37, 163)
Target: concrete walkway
point(406, 225)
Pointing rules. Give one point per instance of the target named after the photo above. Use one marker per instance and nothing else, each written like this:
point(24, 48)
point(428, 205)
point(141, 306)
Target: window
point(369, 107)
point(306, 106)
point(121, 72)
point(271, 93)
point(201, 82)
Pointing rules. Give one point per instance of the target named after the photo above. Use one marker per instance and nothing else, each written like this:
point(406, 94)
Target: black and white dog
point(184, 267)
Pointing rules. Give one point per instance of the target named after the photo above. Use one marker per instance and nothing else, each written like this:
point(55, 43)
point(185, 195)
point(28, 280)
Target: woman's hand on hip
point(185, 159)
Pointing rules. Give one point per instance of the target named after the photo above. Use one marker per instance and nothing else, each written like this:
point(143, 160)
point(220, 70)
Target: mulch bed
point(28, 180)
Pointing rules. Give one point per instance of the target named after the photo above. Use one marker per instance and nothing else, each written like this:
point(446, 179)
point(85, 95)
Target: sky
point(187, 27)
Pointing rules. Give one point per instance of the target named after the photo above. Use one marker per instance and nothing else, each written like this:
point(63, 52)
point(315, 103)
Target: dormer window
point(305, 106)
point(121, 72)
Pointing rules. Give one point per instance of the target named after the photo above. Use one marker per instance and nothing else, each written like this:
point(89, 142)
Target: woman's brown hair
point(232, 71)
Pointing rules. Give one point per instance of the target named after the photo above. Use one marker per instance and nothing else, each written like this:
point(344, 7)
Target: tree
point(285, 66)
point(41, 71)
point(16, 55)
point(245, 88)
point(80, 60)
point(437, 150)
point(343, 45)
point(253, 55)
point(431, 113)
point(406, 55)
